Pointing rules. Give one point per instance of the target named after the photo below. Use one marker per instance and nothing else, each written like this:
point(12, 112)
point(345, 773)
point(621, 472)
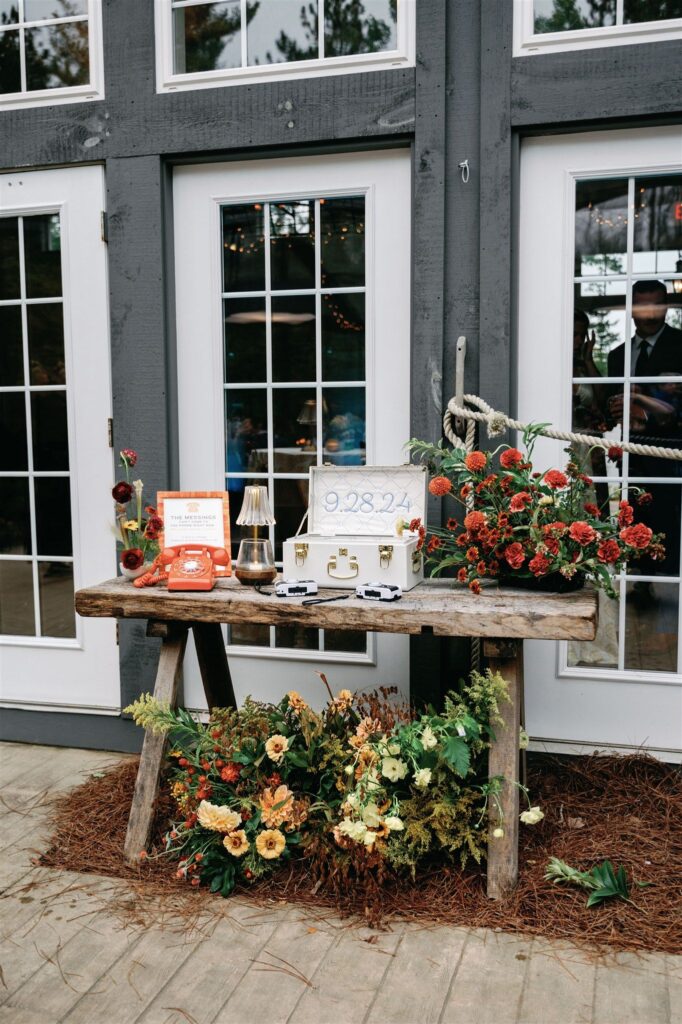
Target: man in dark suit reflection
point(655, 413)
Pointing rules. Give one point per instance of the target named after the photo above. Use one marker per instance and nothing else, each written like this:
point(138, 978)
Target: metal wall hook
point(460, 357)
point(464, 168)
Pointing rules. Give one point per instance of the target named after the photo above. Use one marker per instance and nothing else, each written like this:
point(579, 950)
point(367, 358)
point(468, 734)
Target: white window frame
point(168, 81)
point(528, 43)
point(94, 90)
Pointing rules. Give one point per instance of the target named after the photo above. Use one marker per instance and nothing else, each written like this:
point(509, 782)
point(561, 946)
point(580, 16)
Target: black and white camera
point(295, 588)
point(378, 591)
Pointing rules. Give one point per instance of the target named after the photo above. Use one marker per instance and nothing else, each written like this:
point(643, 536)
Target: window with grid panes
point(294, 291)
point(36, 546)
point(627, 385)
point(223, 40)
point(49, 51)
point(545, 25)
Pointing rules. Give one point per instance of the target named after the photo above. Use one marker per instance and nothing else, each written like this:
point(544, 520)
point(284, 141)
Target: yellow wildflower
point(236, 843)
point(296, 702)
point(276, 747)
point(270, 843)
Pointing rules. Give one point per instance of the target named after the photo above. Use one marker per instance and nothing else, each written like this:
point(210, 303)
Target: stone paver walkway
point(65, 958)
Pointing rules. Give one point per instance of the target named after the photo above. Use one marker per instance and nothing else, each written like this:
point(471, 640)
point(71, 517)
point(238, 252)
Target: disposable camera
point(295, 588)
point(378, 591)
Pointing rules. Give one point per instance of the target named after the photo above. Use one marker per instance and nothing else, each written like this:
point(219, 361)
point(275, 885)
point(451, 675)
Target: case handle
point(352, 564)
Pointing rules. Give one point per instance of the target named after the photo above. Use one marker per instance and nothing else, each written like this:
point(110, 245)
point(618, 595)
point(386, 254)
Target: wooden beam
point(215, 671)
point(505, 657)
point(153, 749)
point(435, 606)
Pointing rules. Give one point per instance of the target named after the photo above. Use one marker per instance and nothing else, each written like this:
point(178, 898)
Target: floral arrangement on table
point(137, 527)
point(363, 787)
point(520, 524)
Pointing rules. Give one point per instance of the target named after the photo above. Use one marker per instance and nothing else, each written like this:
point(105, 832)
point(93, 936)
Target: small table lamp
point(255, 561)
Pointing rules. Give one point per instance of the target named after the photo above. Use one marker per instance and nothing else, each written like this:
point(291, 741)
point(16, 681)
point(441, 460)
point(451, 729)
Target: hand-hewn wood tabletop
point(503, 617)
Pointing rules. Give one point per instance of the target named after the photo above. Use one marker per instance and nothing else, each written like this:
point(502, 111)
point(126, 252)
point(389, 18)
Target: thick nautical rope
point(497, 422)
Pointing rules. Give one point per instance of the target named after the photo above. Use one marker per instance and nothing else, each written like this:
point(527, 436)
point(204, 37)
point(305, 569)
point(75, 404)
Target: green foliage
point(602, 882)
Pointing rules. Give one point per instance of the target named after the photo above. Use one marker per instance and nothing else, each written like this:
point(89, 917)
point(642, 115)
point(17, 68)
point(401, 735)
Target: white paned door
point(600, 274)
point(293, 336)
point(56, 468)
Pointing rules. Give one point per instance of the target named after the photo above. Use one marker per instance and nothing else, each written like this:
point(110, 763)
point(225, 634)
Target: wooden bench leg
point(153, 748)
point(505, 657)
point(215, 671)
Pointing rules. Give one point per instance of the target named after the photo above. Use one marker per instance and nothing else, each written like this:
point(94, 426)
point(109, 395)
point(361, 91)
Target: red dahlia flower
point(476, 461)
point(626, 514)
point(637, 536)
point(451, 524)
point(440, 486)
point(472, 554)
point(122, 492)
point(514, 555)
point(132, 558)
point(539, 565)
point(645, 498)
point(556, 479)
point(615, 452)
point(592, 510)
point(519, 501)
point(608, 552)
point(510, 458)
point(582, 532)
point(475, 587)
point(462, 575)
point(475, 521)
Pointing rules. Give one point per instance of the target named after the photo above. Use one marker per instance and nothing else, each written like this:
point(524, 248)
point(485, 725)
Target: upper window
point(202, 44)
point(50, 52)
point(546, 26)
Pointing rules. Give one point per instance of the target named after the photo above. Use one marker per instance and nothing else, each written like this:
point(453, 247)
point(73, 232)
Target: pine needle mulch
point(626, 809)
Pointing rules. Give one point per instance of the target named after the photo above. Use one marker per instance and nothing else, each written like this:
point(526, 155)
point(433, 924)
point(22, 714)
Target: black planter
point(553, 583)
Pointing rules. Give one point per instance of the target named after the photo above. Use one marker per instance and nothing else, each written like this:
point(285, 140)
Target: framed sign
point(194, 517)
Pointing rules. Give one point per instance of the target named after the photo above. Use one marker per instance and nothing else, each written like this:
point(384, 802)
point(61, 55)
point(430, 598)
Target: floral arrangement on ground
point(365, 788)
point(519, 524)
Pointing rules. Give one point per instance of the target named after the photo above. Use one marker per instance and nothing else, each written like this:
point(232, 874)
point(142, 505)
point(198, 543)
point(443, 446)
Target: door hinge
point(110, 432)
point(118, 635)
point(104, 226)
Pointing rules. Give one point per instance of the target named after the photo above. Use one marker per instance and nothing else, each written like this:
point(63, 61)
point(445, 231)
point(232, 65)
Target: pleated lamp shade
point(256, 509)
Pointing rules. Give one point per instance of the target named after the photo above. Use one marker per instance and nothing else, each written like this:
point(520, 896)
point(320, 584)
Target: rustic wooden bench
point(502, 617)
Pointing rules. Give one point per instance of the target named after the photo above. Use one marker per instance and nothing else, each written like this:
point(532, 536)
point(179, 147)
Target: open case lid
point(365, 500)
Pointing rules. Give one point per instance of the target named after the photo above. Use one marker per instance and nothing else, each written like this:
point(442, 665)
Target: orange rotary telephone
point(190, 567)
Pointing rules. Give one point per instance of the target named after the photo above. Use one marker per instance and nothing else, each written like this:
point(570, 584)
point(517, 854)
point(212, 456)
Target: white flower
point(422, 777)
point(393, 769)
point(524, 739)
point(532, 817)
point(276, 747)
point(372, 780)
point(394, 748)
point(369, 838)
point(371, 816)
point(395, 824)
point(138, 485)
point(355, 830)
point(349, 769)
point(546, 499)
point(498, 833)
point(429, 738)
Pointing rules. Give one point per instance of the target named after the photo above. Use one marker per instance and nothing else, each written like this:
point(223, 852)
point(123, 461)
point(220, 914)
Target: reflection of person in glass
point(656, 350)
point(587, 399)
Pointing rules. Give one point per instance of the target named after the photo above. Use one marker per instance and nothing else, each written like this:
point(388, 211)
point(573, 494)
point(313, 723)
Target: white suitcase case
point(352, 538)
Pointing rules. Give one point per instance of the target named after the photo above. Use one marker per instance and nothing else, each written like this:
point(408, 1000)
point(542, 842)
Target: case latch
point(300, 552)
point(385, 555)
point(416, 561)
point(352, 565)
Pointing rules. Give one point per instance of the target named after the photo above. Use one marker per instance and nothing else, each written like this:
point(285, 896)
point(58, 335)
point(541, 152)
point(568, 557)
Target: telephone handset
point(188, 567)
